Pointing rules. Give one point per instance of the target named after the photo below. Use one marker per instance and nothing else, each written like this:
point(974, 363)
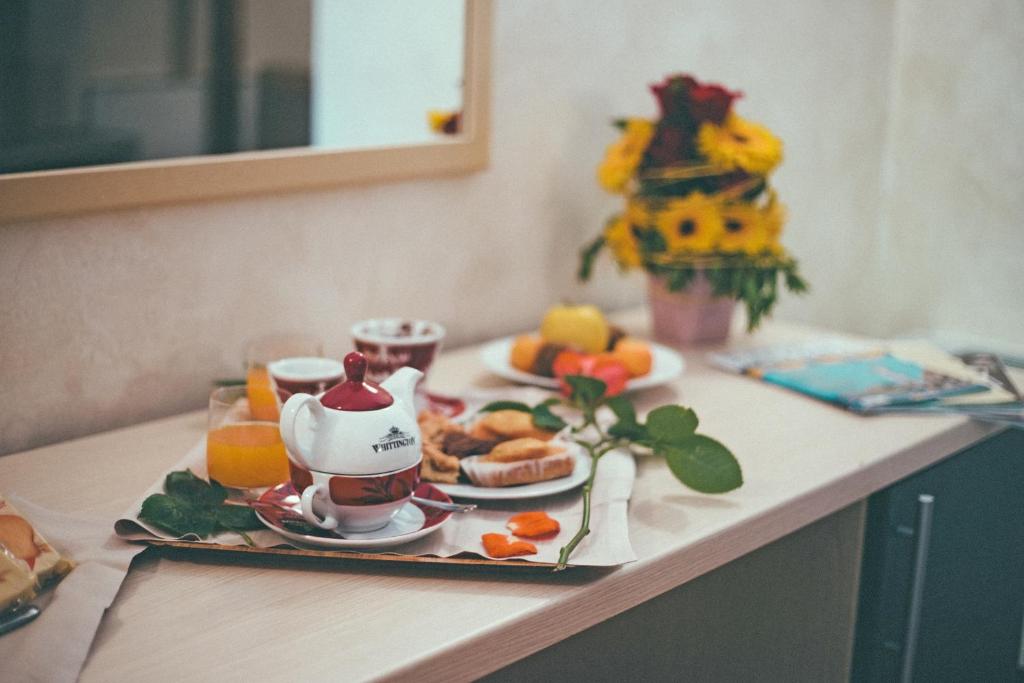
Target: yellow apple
point(583, 327)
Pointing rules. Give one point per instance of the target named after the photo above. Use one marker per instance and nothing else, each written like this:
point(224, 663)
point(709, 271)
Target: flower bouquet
point(700, 216)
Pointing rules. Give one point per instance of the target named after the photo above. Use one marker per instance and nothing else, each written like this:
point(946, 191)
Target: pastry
point(552, 463)
point(526, 448)
point(460, 444)
point(437, 465)
point(433, 426)
point(509, 424)
point(502, 448)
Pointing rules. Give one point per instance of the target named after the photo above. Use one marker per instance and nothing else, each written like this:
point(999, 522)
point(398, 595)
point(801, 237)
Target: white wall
point(950, 247)
point(113, 318)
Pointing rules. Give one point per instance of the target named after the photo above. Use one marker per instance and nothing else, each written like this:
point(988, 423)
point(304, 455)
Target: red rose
point(683, 99)
point(673, 95)
point(711, 103)
point(669, 145)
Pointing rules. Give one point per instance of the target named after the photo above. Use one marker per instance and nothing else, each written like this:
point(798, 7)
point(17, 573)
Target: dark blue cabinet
point(942, 576)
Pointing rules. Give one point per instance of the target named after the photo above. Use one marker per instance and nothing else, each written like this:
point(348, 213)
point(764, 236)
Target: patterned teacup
point(353, 503)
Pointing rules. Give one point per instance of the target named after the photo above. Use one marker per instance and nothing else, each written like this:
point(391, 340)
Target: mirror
point(106, 104)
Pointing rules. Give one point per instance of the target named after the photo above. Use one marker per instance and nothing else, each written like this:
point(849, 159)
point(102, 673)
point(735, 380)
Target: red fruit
point(612, 372)
point(567, 362)
point(602, 366)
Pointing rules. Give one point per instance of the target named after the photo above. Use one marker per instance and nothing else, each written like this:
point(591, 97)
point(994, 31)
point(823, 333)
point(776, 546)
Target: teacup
point(304, 375)
point(354, 503)
point(392, 343)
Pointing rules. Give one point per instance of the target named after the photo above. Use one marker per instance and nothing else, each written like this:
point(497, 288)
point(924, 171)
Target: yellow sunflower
point(691, 224)
point(774, 216)
point(624, 155)
point(745, 229)
point(618, 235)
point(442, 122)
point(740, 144)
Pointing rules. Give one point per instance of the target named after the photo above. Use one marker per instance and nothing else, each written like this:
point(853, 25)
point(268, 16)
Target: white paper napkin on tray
point(606, 545)
point(54, 646)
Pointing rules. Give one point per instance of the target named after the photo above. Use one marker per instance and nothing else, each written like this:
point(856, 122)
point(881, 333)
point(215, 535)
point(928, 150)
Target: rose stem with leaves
point(698, 461)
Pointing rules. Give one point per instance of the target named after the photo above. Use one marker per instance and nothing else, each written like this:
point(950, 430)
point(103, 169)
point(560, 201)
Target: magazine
point(864, 377)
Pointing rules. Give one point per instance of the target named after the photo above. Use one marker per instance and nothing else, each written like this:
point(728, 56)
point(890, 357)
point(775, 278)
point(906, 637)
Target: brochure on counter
point(885, 377)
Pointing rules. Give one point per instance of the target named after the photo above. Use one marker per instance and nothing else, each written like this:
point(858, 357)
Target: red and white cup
point(354, 503)
point(392, 343)
point(304, 375)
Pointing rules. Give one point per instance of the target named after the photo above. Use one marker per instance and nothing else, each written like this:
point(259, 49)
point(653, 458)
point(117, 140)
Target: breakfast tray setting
point(432, 537)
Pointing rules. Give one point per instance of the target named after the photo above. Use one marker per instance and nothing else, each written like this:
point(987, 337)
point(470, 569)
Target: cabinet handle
point(925, 505)
point(1020, 654)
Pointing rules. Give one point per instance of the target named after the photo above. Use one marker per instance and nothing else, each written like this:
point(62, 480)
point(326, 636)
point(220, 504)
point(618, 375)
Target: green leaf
point(506, 405)
point(586, 391)
point(176, 515)
point(627, 427)
point(588, 255)
point(680, 278)
point(650, 240)
point(751, 194)
point(623, 408)
point(299, 527)
point(703, 464)
point(633, 431)
point(189, 487)
point(671, 425)
point(544, 419)
point(794, 282)
point(237, 518)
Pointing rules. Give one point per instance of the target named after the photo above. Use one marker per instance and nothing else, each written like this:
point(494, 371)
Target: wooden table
point(182, 615)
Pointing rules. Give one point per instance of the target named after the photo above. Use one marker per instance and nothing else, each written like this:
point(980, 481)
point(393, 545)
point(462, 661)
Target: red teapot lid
point(355, 394)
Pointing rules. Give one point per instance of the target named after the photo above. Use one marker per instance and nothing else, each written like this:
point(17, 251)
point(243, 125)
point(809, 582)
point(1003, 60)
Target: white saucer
point(411, 522)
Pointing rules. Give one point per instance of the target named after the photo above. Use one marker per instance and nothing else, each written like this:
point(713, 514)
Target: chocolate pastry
point(461, 445)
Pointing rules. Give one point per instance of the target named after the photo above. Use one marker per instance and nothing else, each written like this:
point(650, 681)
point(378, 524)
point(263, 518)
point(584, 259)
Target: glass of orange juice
point(242, 451)
point(263, 402)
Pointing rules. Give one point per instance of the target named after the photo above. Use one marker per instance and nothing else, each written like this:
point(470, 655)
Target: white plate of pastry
point(503, 456)
point(579, 474)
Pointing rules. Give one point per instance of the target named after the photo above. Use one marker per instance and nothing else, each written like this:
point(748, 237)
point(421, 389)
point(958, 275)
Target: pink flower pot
point(690, 316)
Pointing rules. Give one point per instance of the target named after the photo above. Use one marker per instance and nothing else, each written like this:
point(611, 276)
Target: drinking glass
point(263, 402)
point(242, 451)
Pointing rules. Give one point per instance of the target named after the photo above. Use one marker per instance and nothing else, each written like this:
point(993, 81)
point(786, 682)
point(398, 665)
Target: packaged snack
point(23, 545)
point(17, 585)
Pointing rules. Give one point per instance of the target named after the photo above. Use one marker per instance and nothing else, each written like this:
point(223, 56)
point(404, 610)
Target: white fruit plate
point(667, 365)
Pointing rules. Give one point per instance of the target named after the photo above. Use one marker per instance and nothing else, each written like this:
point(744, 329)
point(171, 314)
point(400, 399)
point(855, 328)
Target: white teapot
point(356, 428)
